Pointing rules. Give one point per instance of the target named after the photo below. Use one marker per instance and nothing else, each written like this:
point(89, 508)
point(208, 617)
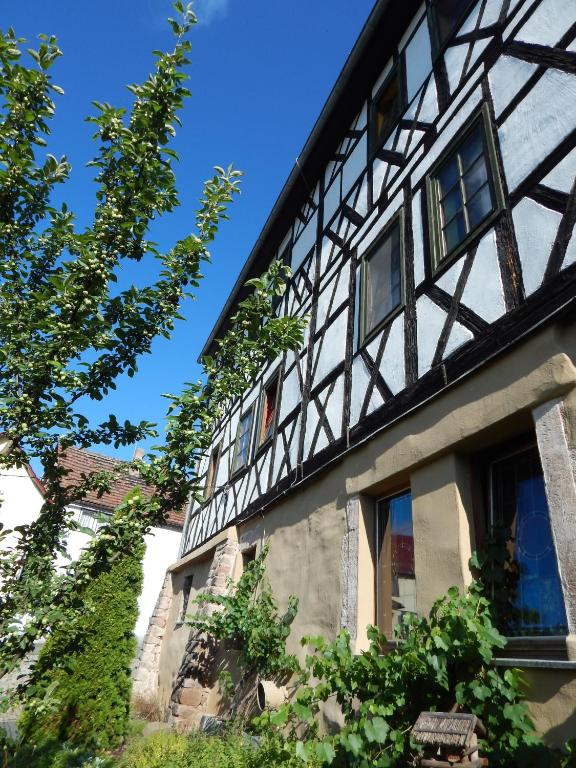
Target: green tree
point(80, 687)
point(67, 332)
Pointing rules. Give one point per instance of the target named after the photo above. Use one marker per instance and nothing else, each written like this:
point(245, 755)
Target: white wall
point(21, 501)
point(162, 547)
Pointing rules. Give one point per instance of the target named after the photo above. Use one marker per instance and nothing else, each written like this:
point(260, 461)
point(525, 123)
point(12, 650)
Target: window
point(518, 501)
point(268, 410)
point(186, 589)
point(446, 16)
point(388, 105)
point(242, 446)
point(212, 472)
point(395, 575)
point(381, 280)
point(463, 191)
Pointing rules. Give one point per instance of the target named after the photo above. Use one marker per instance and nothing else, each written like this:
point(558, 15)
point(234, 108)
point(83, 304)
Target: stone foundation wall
point(145, 676)
point(196, 676)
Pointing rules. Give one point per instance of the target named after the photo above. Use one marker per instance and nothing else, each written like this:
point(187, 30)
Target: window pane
point(387, 109)
point(243, 440)
point(396, 574)
point(475, 177)
point(519, 502)
point(455, 232)
point(448, 175)
point(383, 280)
point(448, 13)
point(471, 148)
point(451, 204)
point(479, 207)
point(268, 411)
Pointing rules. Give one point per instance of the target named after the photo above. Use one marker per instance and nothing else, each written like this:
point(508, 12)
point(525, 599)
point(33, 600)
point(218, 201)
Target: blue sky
point(260, 74)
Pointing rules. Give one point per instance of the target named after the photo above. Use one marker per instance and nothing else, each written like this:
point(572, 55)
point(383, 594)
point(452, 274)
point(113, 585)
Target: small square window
point(381, 280)
point(395, 572)
point(212, 472)
point(268, 410)
point(242, 445)
point(446, 18)
point(464, 191)
point(387, 107)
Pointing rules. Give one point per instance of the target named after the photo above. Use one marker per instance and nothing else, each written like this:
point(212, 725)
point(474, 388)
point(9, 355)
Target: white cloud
point(210, 10)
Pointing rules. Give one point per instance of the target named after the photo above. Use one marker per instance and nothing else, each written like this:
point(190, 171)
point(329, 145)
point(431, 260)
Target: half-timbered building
point(429, 223)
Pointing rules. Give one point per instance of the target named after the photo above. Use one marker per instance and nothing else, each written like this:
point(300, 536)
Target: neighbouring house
point(429, 223)
point(23, 496)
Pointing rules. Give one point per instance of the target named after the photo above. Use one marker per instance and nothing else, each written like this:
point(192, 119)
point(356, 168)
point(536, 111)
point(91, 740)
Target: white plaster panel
point(562, 177)
point(326, 253)
point(305, 242)
point(506, 78)
point(543, 118)
point(467, 105)
point(572, 46)
point(536, 229)
point(379, 168)
point(379, 225)
point(459, 335)
point(322, 442)
point(430, 321)
point(449, 279)
point(376, 400)
point(372, 347)
point(402, 140)
point(333, 347)
point(418, 236)
point(491, 13)
point(329, 171)
point(354, 165)
point(548, 23)
point(360, 379)
point(334, 407)
point(361, 202)
point(461, 106)
point(477, 49)
point(418, 59)
point(362, 118)
point(285, 242)
point(365, 228)
point(312, 419)
point(392, 365)
point(570, 256)
point(411, 27)
point(470, 23)
point(429, 108)
point(455, 59)
point(484, 293)
point(290, 394)
point(384, 74)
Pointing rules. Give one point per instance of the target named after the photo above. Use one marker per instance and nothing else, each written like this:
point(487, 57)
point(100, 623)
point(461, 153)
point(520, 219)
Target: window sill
point(524, 663)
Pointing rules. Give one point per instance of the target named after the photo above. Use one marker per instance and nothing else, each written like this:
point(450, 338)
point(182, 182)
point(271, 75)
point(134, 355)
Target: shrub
point(50, 754)
point(80, 686)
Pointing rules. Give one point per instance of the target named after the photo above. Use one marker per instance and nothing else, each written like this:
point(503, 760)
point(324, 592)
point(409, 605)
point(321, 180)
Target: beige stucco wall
point(432, 451)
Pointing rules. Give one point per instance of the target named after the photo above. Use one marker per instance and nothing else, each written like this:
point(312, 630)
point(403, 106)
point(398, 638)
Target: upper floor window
point(212, 471)
point(387, 107)
point(268, 409)
point(463, 191)
point(381, 280)
point(518, 501)
point(446, 16)
point(242, 445)
point(395, 573)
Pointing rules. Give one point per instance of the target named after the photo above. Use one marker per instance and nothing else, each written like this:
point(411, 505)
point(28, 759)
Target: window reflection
point(396, 578)
point(519, 502)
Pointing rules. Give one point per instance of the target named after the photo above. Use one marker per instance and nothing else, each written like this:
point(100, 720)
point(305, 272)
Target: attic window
point(387, 107)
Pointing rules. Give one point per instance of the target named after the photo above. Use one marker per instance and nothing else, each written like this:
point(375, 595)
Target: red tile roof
point(80, 462)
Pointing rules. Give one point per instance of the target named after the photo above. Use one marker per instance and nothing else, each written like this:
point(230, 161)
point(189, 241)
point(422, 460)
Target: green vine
point(247, 619)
